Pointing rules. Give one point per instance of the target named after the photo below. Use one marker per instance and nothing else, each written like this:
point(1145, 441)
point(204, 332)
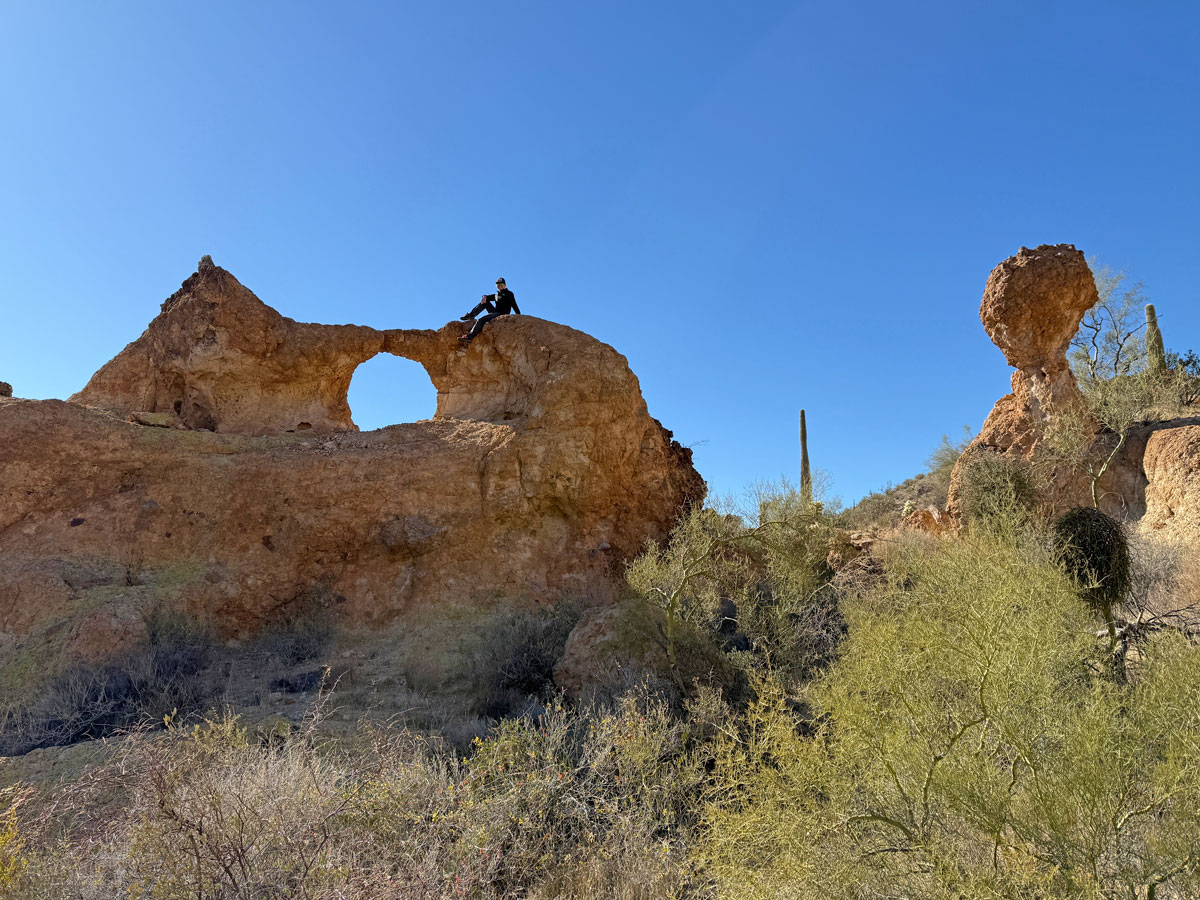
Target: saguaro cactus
point(806, 489)
point(1156, 354)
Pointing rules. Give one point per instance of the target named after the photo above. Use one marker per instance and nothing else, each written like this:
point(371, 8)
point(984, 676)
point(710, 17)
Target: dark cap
point(501, 281)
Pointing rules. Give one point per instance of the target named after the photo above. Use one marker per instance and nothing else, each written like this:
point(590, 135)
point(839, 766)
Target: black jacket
point(502, 302)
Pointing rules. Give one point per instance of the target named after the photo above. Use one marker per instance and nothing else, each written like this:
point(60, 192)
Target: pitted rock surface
point(1172, 466)
point(539, 474)
point(1032, 306)
point(1034, 302)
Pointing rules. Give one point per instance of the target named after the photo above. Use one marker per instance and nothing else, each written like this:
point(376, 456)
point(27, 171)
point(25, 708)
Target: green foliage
point(1093, 550)
point(12, 858)
point(942, 460)
point(1185, 377)
point(774, 571)
point(998, 491)
point(965, 746)
point(1156, 354)
point(1108, 343)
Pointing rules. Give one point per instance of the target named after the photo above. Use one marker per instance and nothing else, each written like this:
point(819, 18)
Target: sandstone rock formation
point(1032, 306)
point(1172, 467)
point(540, 472)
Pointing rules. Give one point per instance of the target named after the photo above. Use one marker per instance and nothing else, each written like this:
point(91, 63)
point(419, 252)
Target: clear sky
point(763, 205)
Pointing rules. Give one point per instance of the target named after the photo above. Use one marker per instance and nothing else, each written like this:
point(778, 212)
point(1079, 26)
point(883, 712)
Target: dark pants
point(479, 323)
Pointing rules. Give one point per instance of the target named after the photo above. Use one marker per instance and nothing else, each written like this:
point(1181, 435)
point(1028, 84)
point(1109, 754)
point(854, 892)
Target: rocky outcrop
point(540, 472)
point(1172, 466)
point(218, 358)
point(1032, 306)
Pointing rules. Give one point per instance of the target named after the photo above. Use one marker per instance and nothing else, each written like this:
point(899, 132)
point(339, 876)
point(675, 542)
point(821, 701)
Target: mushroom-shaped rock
point(1034, 302)
point(1031, 308)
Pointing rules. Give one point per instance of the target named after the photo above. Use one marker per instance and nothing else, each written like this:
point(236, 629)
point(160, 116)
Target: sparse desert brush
point(968, 745)
point(573, 804)
point(997, 491)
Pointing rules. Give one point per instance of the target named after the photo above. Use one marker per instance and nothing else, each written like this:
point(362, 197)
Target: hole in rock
point(388, 390)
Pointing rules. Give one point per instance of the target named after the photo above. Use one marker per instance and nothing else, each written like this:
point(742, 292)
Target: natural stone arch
point(390, 389)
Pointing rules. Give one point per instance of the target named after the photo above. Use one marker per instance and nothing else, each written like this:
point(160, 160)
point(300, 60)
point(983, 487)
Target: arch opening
point(390, 390)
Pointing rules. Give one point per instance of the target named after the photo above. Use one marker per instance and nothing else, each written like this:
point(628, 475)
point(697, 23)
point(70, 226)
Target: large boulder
point(1172, 466)
point(539, 474)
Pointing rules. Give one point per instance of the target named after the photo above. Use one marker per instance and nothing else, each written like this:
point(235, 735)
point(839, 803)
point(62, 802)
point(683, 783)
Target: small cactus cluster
point(1156, 354)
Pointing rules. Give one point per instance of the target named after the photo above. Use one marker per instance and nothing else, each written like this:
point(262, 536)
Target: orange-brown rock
point(1172, 466)
point(1032, 306)
point(929, 519)
point(539, 473)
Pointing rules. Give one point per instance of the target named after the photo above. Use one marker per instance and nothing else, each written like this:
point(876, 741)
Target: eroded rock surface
point(1032, 306)
point(539, 474)
point(1172, 466)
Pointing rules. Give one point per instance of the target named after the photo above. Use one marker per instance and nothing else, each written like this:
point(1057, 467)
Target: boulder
point(1172, 466)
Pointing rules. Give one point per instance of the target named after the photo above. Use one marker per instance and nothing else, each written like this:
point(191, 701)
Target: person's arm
point(516, 308)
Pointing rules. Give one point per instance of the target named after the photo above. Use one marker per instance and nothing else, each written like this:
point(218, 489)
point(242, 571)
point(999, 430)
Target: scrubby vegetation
point(770, 711)
point(947, 725)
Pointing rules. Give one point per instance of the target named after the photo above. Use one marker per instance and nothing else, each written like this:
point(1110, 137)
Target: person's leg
point(479, 323)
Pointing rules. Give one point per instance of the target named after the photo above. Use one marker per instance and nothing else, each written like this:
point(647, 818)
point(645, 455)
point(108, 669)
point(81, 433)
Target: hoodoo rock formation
point(1032, 306)
point(540, 472)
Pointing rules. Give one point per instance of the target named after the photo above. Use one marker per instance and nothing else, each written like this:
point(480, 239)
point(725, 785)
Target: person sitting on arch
point(500, 303)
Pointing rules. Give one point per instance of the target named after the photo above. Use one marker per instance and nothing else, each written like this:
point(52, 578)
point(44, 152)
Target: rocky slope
point(212, 469)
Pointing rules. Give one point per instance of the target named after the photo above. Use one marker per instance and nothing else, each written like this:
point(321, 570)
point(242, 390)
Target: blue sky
point(764, 206)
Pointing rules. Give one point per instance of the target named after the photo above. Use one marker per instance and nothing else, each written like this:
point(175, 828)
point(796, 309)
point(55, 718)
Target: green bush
point(966, 746)
point(997, 491)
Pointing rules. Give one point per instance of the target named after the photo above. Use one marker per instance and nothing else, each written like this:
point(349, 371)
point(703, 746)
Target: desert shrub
point(966, 746)
point(1094, 551)
point(12, 860)
point(86, 702)
point(998, 491)
point(571, 805)
point(769, 564)
point(300, 630)
point(520, 651)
